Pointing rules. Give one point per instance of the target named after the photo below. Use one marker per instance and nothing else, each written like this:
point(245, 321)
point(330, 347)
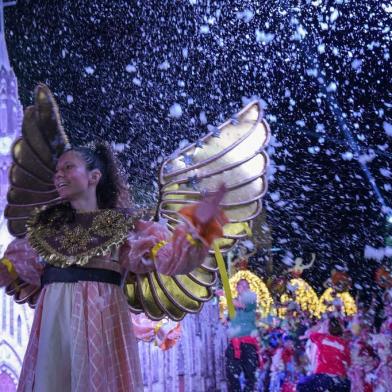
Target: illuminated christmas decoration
point(299, 267)
point(329, 297)
point(264, 299)
point(302, 294)
point(337, 297)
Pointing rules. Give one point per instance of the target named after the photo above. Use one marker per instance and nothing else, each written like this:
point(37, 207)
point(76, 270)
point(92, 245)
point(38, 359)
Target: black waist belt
point(75, 274)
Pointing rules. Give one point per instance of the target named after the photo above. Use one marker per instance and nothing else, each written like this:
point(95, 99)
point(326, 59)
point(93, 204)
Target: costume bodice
point(93, 235)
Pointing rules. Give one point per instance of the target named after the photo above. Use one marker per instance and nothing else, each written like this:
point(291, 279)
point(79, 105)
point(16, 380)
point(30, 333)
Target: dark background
point(105, 62)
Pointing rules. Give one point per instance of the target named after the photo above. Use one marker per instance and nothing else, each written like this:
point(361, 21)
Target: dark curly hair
point(334, 327)
point(112, 191)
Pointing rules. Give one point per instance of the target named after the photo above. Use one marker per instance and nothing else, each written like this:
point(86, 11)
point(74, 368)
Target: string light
point(303, 295)
point(348, 303)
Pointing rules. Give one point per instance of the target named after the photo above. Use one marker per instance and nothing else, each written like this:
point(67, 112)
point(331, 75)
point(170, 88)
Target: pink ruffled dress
point(83, 338)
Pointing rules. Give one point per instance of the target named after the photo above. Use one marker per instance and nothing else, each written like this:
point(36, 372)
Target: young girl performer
point(82, 336)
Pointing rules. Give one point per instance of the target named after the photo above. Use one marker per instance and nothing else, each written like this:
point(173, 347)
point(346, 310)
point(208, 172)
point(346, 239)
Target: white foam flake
point(175, 110)
point(332, 87)
point(89, 70)
point(119, 147)
point(264, 37)
point(387, 128)
point(246, 15)
point(356, 64)
point(347, 156)
point(130, 68)
point(386, 172)
point(203, 117)
point(377, 253)
point(334, 15)
point(165, 65)
point(321, 48)
point(136, 81)
point(275, 196)
point(204, 29)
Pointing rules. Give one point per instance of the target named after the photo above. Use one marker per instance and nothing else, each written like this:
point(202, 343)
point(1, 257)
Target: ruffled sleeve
point(151, 246)
point(185, 251)
point(21, 261)
point(135, 252)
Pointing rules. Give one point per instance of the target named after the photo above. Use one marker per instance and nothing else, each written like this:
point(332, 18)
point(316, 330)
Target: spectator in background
point(332, 361)
point(242, 353)
point(283, 368)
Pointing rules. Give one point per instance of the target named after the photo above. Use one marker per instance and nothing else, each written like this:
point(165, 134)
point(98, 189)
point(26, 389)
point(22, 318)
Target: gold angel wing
point(232, 153)
point(34, 157)
point(162, 296)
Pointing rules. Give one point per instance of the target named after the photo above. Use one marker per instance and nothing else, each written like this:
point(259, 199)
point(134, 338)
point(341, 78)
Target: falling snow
point(149, 75)
point(175, 110)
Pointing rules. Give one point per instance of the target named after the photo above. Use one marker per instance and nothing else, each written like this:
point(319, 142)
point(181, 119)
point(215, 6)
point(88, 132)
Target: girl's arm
point(20, 261)
point(152, 246)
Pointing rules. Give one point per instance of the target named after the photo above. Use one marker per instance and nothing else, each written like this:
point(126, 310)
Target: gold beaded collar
point(89, 234)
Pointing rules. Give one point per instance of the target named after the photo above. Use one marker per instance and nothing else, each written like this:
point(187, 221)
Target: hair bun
point(102, 150)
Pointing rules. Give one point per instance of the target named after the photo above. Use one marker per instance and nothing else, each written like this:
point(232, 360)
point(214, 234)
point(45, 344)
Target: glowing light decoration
point(5, 145)
point(348, 304)
point(303, 295)
point(264, 299)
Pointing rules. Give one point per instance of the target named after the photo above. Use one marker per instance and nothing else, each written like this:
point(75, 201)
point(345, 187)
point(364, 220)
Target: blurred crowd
point(299, 352)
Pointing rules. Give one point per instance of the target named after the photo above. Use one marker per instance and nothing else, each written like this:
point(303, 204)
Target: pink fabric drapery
point(82, 337)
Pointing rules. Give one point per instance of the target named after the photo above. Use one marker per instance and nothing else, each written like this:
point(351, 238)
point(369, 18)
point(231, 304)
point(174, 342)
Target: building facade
point(15, 320)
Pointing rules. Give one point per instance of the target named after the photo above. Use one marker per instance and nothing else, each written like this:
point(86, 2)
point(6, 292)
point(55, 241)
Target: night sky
point(322, 69)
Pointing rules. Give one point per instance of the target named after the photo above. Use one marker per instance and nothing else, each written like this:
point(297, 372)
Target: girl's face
point(72, 179)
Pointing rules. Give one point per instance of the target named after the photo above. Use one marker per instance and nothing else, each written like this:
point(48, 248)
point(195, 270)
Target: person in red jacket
point(332, 361)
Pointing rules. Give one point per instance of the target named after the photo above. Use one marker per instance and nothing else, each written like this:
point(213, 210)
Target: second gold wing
point(232, 153)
